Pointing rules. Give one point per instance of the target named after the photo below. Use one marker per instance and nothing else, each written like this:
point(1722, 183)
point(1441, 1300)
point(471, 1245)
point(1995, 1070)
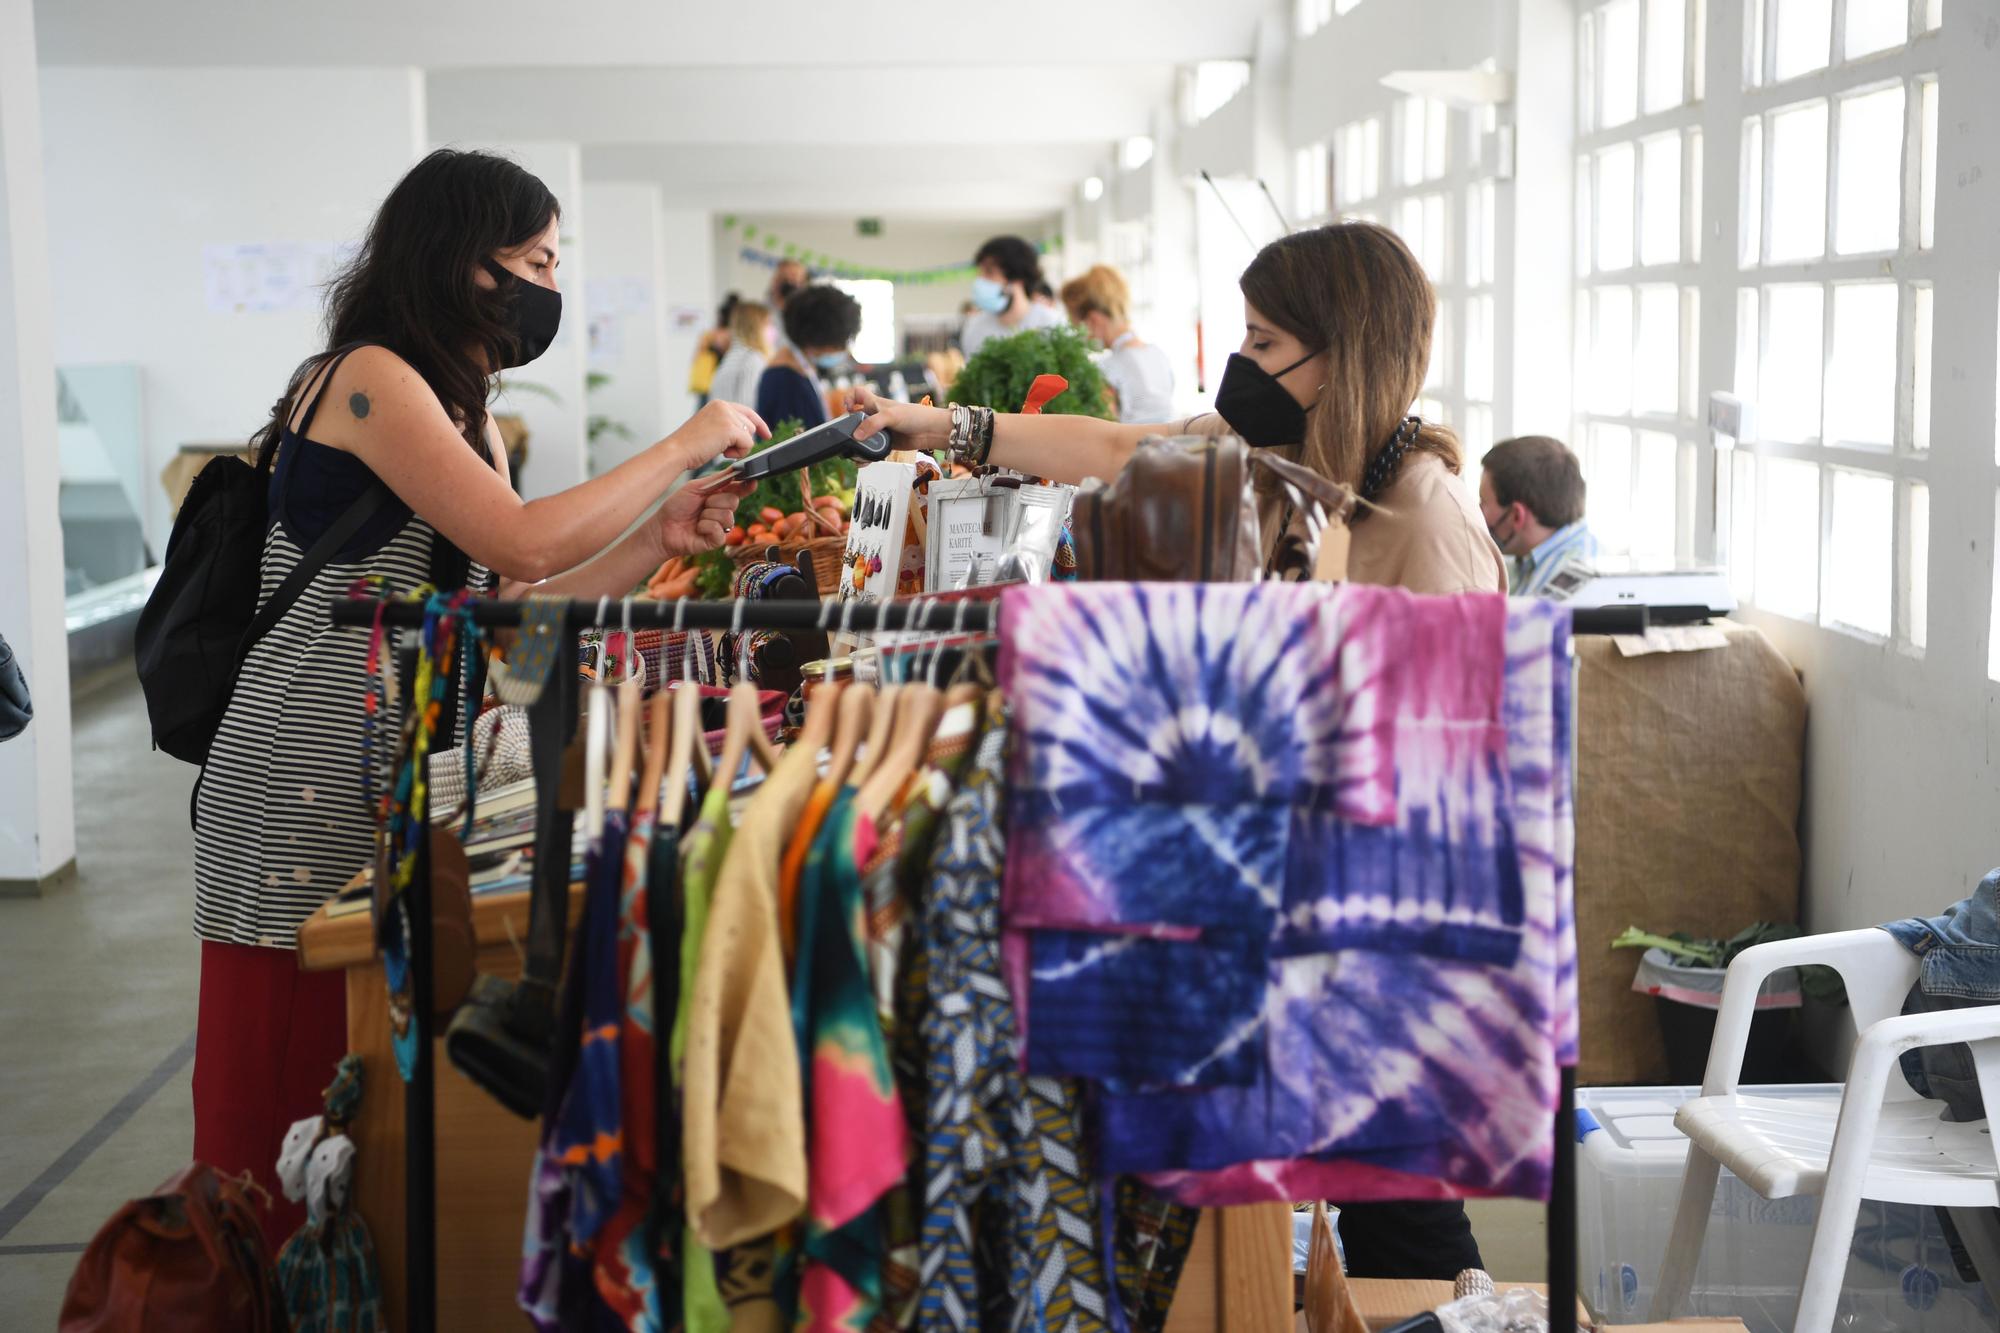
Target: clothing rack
point(912, 615)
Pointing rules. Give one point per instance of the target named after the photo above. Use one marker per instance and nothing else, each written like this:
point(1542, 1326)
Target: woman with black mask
point(1337, 339)
point(387, 435)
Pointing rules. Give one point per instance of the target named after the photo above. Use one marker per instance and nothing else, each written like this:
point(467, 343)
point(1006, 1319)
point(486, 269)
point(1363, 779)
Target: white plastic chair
point(1877, 1140)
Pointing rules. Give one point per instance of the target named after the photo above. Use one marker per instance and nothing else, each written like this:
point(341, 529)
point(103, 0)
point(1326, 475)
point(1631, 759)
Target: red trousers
point(267, 1040)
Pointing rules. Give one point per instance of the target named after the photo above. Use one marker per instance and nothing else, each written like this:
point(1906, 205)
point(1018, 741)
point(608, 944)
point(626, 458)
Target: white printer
point(1671, 596)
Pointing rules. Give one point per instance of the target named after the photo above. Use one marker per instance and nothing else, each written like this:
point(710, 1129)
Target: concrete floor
point(97, 1009)
point(97, 1012)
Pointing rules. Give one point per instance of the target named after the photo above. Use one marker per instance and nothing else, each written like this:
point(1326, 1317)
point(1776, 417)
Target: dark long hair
point(410, 287)
point(1353, 289)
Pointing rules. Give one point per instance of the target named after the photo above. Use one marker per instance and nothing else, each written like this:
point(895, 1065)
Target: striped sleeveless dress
point(281, 822)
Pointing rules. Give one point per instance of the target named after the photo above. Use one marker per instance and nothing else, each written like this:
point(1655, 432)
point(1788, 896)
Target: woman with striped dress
point(455, 282)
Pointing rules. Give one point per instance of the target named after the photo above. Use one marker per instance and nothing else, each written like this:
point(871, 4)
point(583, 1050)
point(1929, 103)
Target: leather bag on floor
point(190, 1258)
point(1185, 510)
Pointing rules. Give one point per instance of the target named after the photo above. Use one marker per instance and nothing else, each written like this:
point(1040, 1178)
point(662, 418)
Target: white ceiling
point(943, 108)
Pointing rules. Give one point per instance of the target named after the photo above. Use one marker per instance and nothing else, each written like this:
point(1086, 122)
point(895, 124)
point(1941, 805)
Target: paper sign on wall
point(267, 277)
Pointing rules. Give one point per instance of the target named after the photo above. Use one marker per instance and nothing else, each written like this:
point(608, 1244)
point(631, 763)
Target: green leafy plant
point(597, 424)
point(1685, 950)
point(999, 374)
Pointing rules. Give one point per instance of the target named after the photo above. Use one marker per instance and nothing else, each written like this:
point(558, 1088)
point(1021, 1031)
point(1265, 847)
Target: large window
point(1638, 244)
point(1829, 507)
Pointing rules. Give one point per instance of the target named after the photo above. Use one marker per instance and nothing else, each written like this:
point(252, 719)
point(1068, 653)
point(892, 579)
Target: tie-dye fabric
point(1217, 773)
point(1383, 1073)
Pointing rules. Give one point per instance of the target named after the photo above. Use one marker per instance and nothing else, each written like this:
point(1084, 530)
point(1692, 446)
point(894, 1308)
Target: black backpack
point(202, 618)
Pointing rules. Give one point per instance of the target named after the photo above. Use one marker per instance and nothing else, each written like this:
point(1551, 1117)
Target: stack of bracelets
point(971, 440)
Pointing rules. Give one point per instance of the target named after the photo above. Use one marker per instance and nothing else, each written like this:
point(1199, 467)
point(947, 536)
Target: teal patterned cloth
point(329, 1279)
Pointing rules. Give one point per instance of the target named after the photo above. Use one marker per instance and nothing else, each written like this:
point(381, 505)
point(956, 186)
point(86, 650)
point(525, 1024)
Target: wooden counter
point(483, 1150)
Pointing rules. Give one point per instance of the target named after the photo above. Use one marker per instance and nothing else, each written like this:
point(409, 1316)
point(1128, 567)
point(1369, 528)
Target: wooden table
point(1238, 1277)
point(483, 1150)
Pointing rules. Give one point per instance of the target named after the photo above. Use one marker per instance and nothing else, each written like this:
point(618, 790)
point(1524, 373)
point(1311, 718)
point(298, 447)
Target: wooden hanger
point(687, 752)
point(631, 705)
point(884, 717)
point(857, 706)
point(657, 712)
point(596, 734)
point(743, 728)
point(919, 706)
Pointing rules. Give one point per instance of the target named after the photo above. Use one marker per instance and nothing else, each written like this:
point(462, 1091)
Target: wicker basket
point(825, 551)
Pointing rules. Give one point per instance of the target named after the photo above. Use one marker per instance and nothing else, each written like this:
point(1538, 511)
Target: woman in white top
point(749, 353)
point(1138, 372)
point(1009, 269)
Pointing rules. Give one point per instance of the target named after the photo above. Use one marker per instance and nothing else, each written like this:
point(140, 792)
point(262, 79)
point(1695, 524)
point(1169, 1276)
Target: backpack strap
point(316, 558)
point(268, 459)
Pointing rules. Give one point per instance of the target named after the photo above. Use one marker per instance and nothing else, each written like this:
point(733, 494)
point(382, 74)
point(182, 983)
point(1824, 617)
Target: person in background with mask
point(788, 277)
point(819, 324)
point(454, 283)
point(1309, 383)
point(1531, 495)
point(749, 353)
point(1009, 270)
point(1139, 374)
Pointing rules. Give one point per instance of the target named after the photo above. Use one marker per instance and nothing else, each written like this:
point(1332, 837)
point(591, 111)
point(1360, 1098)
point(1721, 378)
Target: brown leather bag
point(188, 1259)
point(1185, 510)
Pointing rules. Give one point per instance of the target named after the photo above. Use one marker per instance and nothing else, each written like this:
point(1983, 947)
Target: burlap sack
point(1689, 773)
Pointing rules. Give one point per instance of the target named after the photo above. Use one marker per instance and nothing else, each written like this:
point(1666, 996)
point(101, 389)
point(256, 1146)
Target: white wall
point(687, 249)
point(37, 823)
point(557, 458)
point(627, 322)
point(146, 167)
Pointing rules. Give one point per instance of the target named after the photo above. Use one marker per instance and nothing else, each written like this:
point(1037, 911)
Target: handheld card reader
point(835, 439)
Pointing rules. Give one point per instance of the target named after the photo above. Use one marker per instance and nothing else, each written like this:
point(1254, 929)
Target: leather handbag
point(15, 707)
point(1185, 510)
point(503, 1036)
point(190, 1258)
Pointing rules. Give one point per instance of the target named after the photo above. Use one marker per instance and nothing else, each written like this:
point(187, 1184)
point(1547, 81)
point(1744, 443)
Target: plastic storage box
point(1629, 1161)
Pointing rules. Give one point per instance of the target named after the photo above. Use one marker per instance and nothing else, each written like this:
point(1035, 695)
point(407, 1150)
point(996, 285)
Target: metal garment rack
point(917, 615)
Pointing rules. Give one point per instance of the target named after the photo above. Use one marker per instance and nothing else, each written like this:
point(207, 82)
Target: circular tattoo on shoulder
point(358, 404)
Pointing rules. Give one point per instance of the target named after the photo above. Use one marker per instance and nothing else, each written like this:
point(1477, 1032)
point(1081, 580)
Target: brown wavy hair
point(1353, 290)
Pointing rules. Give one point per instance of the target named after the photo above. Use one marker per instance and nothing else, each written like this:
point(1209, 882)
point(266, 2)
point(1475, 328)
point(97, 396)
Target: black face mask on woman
point(534, 313)
point(1257, 406)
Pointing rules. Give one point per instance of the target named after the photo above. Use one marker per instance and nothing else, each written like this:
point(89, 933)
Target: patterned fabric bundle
point(1347, 967)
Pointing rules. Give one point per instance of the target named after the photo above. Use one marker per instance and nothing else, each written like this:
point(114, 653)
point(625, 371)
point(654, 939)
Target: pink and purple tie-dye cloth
point(1288, 872)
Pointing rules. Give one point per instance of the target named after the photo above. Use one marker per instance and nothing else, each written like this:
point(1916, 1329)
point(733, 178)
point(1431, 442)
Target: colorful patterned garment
point(1212, 773)
point(575, 1181)
point(625, 1259)
point(1007, 1177)
point(702, 852)
point(1150, 1244)
point(854, 1120)
point(1382, 1074)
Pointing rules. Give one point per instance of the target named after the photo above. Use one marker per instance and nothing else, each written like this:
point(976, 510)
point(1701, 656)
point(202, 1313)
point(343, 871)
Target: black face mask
point(534, 313)
point(1256, 406)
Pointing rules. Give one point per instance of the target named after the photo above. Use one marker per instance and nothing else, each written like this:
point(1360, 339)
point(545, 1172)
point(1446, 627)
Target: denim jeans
point(1960, 954)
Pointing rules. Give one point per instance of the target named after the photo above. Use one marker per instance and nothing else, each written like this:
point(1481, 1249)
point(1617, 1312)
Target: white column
point(1535, 216)
point(687, 261)
point(37, 814)
point(627, 326)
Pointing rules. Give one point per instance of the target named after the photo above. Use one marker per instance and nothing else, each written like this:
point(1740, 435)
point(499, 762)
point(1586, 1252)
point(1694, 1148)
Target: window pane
point(1801, 41)
point(1436, 257)
point(1660, 200)
point(1586, 73)
point(1917, 595)
point(1869, 208)
point(1656, 369)
point(1437, 139)
point(1666, 58)
point(1743, 525)
point(1439, 373)
point(1618, 65)
point(1861, 379)
point(1747, 333)
point(1700, 70)
point(1412, 149)
point(1691, 352)
point(1479, 349)
point(1611, 352)
point(1876, 25)
point(1478, 439)
point(1927, 168)
point(1750, 242)
point(1586, 193)
point(1860, 551)
point(1654, 516)
point(1798, 183)
point(1371, 165)
point(1481, 220)
point(1614, 208)
point(1788, 538)
point(1792, 363)
point(1309, 173)
point(1695, 219)
point(1920, 369)
point(1609, 487)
